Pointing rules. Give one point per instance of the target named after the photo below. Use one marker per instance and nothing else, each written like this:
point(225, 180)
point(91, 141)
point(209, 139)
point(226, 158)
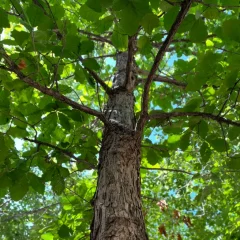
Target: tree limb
point(65, 152)
point(145, 99)
point(14, 68)
point(107, 89)
point(95, 37)
point(158, 78)
point(22, 213)
point(196, 114)
point(131, 42)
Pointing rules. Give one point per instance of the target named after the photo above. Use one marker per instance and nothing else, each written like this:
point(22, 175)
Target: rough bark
point(117, 204)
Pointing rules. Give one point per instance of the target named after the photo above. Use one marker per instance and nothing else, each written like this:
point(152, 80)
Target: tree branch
point(131, 42)
point(168, 169)
point(107, 89)
point(145, 99)
point(65, 152)
point(95, 37)
point(22, 213)
point(14, 68)
point(158, 78)
point(195, 114)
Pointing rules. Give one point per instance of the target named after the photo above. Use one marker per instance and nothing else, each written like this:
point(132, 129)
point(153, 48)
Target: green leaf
point(86, 47)
point(149, 22)
point(17, 132)
point(34, 15)
point(20, 37)
point(19, 189)
point(79, 74)
point(234, 163)
point(3, 149)
point(198, 32)
point(104, 24)
point(229, 2)
point(202, 129)
point(5, 181)
point(49, 123)
point(144, 45)
point(89, 14)
point(58, 184)
point(64, 121)
point(94, 5)
point(231, 78)
point(170, 17)
point(4, 117)
point(74, 115)
point(36, 183)
point(64, 231)
point(211, 13)
point(187, 23)
point(234, 132)
point(155, 4)
point(4, 22)
point(152, 157)
point(91, 63)
point(119, 40)
point(129, 21)
point(192, 104)
point(230, 29)
point(185, 141)
point(218, 144)
point(205, 152)
point(47, 236)
point(4, 99)
point(64, 89)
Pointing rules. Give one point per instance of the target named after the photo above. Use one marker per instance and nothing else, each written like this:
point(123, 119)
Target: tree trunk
point(117, 204)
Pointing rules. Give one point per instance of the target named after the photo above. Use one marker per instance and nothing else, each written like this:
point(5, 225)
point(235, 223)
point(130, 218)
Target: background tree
point(96, 91)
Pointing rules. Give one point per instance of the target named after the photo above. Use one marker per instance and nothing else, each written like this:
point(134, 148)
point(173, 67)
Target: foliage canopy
point(57, 63)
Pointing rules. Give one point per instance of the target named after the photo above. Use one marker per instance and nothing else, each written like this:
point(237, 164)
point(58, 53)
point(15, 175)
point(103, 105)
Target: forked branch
point(145, 98)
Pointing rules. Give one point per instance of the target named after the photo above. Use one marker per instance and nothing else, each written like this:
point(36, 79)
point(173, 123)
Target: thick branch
point(145, 99)
point(168, 169)
point(129, 66)
point(14, 68)
point(157, 78)
point(196, 114)
point(65, 152)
